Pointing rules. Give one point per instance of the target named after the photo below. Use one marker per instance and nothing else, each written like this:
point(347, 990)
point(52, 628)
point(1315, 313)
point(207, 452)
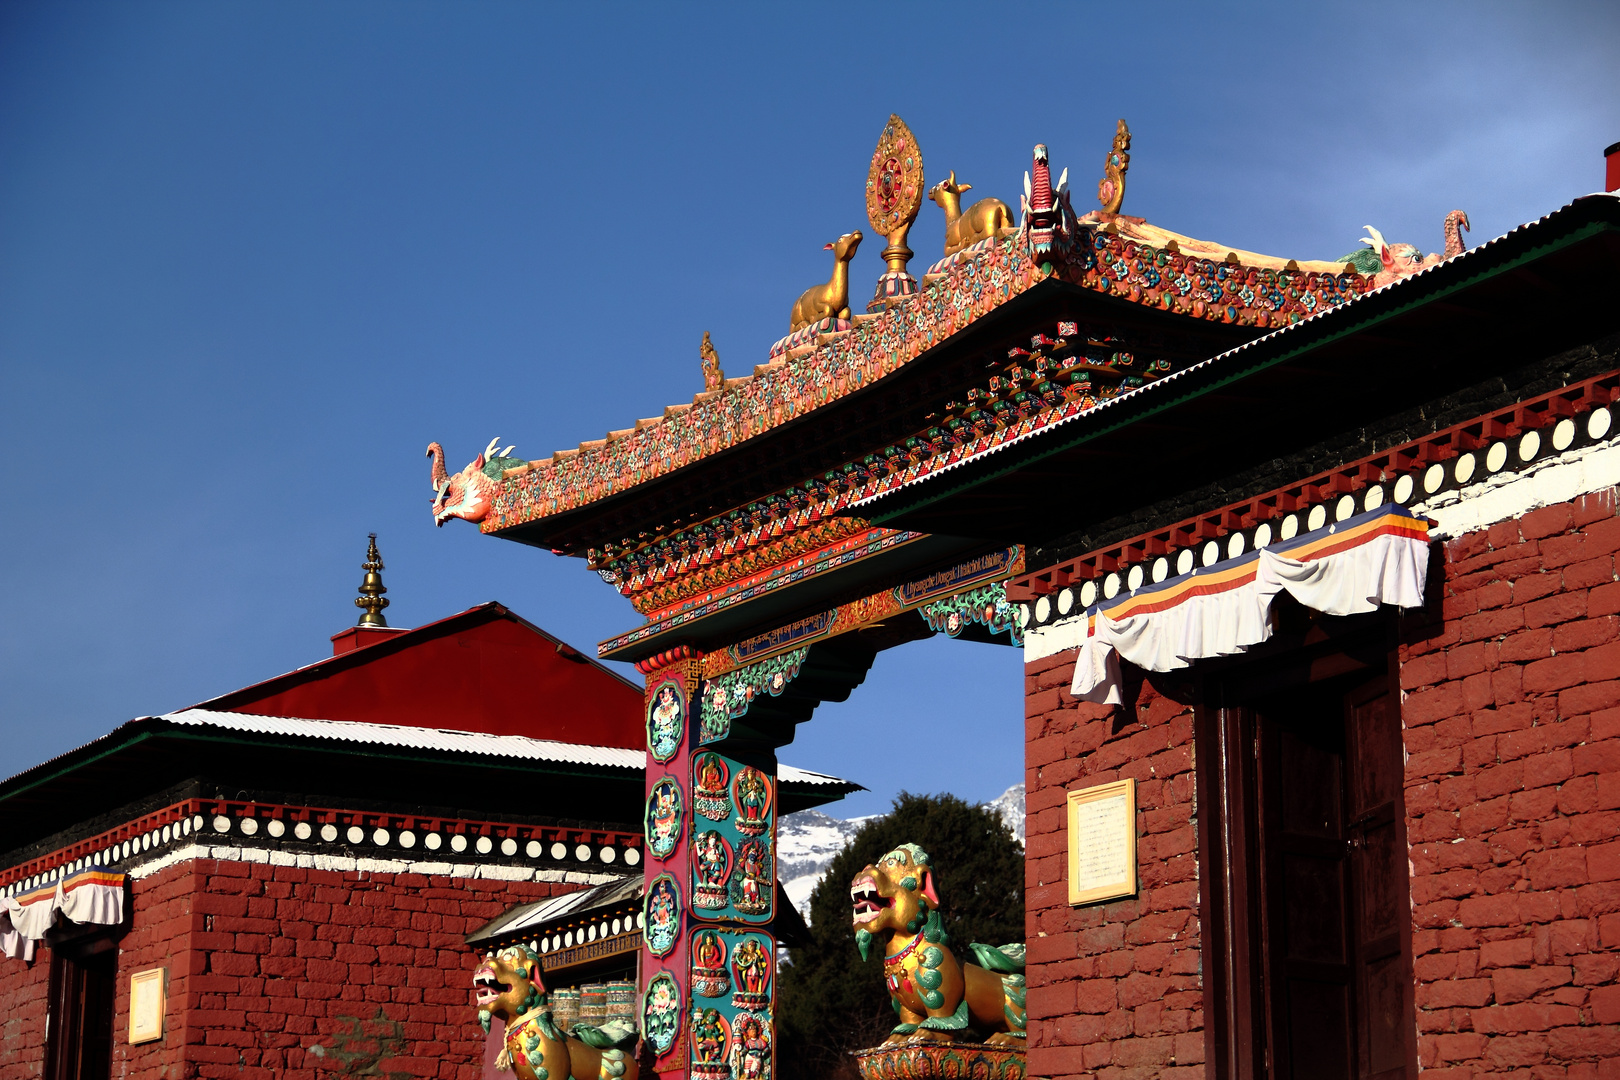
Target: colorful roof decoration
point(1105, 260)
point(732, 501)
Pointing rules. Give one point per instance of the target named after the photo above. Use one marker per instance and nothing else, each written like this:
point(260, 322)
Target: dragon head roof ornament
point(1049, 226)
point(1388, 262)
point(470, 493)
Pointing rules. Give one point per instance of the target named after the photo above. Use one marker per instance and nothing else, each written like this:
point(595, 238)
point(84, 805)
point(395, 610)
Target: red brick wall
point(23, 989)
point(283, 972)
point(1512, 730)
point(1512, 722)
point(160, 920)
point(1113, 988)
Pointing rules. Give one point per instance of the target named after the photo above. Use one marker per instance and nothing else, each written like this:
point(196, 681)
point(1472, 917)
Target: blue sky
point(254, 257)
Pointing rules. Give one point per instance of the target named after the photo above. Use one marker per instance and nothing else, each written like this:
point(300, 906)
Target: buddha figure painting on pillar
point(710, 796)
point(663, 915)
point(664, 818)
point(710, 1037)
point(752, 964)
point(710, 977)
point(666, 722)
point(752, 882)
point(711, 865)
point(752, 790)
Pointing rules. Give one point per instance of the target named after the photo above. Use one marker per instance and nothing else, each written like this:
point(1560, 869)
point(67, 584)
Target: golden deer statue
point(982, 220)
point(829, 301)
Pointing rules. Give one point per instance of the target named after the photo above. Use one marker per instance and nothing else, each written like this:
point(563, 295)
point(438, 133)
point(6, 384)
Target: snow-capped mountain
point(807, 841)
point(805, 845)
point(1010, 805)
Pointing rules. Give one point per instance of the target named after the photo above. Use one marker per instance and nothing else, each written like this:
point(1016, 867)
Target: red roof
point(485, 669)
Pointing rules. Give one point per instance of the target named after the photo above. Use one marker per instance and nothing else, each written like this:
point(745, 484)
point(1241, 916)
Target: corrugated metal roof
point(463, 742)
point(804, 776)
point(537, 913)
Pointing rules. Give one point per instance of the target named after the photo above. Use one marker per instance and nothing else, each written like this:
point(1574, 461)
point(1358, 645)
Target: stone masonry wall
point(23, 989)
point(301, 973)
point(1512, 718)
point(293, 973)
point(1114, 988)
point(160, 933)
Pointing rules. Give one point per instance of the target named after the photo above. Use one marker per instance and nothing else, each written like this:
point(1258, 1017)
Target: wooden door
point(79, 1021)
point(1380, 927)
point(1335, 923)
point(1309, 962)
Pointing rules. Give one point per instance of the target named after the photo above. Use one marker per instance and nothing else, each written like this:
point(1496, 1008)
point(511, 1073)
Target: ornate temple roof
point(1233, 289)
point(833, 461)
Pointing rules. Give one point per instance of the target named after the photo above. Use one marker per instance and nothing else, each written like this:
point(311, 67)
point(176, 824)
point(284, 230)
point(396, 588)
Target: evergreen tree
point(828, 1002)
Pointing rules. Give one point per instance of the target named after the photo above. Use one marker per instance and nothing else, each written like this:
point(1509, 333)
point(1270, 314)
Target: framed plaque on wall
point(147, 1003)
point(1102, 842)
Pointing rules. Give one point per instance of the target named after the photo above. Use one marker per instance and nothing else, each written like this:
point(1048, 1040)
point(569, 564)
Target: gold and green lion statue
point(510, 985)
point(938, 997)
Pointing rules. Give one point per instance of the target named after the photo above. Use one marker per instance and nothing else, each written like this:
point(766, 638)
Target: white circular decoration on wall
point(1563, 434)
point(1597, 425)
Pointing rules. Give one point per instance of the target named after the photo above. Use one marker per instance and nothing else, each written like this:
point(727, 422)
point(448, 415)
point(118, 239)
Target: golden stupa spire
point(371, 599)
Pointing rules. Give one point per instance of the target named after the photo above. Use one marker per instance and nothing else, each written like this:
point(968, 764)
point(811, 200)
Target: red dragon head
point(470, 493)
point(1047, 216)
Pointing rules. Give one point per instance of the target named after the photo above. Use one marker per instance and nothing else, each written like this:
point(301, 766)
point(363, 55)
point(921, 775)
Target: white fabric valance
point(1354, 566)
point(89, 896)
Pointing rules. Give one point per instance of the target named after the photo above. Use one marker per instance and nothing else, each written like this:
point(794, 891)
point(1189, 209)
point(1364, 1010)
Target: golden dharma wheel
point(894, 185)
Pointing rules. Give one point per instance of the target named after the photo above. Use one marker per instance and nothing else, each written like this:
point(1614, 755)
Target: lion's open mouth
point(867, 901)
point(488, 987)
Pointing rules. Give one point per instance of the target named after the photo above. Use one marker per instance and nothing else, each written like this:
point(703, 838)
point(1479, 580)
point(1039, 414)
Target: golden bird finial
point(371, 599)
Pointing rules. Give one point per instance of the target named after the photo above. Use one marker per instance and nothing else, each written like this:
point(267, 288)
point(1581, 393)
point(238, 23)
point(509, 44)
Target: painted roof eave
point(393, 742)
point(1579, 220)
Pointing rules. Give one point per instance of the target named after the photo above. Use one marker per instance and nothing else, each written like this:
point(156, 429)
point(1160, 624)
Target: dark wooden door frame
point(83, 980)
point(1305, 649)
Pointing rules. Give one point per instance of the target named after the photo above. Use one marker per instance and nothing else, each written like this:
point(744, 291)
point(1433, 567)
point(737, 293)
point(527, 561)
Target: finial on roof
point(894, 194)
point(713, 377)
point(1111, 188)
point(371, 599)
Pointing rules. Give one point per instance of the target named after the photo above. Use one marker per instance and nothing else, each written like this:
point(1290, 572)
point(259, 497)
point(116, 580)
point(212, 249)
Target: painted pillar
point(709, 966)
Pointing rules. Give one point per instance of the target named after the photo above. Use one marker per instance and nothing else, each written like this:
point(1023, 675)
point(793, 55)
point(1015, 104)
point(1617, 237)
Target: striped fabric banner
point(92, 895)
point(1350, 567)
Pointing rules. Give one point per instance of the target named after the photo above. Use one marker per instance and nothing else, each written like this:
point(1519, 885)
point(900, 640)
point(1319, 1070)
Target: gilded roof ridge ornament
point(713, 377)
point(827, 306)
point(1111, 188)
point(371, 599)
point(894, 194)
point(982, 220)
